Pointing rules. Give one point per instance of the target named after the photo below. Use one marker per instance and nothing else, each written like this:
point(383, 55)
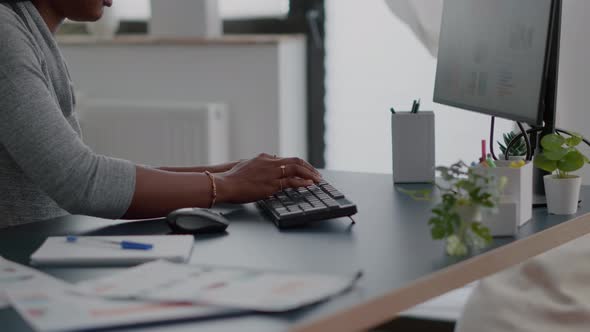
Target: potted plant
point(465, 193)
point(560, 157)
point(517, 150)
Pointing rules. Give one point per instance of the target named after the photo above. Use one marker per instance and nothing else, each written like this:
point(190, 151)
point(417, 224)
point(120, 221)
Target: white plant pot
point(470, 213)
point(562, 194)
point(106, 27)
point(502, 157)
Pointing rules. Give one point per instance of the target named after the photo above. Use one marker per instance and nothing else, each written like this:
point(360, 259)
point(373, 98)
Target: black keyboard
point(297, 207)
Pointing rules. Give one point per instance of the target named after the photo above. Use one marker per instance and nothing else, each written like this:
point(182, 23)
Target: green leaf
point(573, 140)
point(456, 246)
point(482, 231)
point(502, 148)
point(552, 142)
point(517, 149)
point(545, 164)
point(488, 204)
point(438, 229)
point(572, 161)
point(556, 154)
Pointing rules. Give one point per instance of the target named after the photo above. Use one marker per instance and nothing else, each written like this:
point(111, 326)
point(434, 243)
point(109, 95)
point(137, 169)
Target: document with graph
point(238, 288)
point(59, 310)
point(16, 276)
point(48, 304)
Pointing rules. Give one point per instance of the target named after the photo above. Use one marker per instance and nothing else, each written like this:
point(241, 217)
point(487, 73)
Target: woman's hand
point(256, 179)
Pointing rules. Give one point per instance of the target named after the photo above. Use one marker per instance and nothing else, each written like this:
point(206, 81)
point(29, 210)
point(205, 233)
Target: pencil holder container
point(516, 205)
point(412, 140)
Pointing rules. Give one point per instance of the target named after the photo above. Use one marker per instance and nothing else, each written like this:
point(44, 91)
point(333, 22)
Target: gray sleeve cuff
point(114, 189)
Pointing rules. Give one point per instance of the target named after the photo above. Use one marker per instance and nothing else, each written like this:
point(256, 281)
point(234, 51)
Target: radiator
point(156, 133)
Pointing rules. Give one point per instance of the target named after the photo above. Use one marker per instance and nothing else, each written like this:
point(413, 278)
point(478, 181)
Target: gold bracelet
point(213, 188)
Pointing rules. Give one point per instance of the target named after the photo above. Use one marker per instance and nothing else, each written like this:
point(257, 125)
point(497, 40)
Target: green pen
point(490, 161)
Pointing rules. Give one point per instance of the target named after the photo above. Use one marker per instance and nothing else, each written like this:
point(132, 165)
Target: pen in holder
point(412, 138)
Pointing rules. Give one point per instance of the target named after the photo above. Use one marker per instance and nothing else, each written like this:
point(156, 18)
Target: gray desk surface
point(391, 243)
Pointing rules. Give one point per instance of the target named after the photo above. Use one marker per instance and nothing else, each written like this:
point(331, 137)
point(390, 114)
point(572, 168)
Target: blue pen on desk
point(123, 244)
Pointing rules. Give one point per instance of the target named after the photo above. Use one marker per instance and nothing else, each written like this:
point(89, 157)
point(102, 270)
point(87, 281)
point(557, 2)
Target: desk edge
point(387, 307)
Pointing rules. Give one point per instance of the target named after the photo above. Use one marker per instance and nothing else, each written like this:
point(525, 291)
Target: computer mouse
point(196, 221)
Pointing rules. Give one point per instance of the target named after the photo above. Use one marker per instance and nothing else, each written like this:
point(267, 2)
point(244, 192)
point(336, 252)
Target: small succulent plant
point(517, 149)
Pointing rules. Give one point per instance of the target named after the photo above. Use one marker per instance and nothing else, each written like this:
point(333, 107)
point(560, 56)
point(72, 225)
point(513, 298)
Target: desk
point(390, 243)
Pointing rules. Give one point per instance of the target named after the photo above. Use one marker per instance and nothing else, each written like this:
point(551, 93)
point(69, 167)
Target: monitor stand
point(548, 99)
point(539, 199)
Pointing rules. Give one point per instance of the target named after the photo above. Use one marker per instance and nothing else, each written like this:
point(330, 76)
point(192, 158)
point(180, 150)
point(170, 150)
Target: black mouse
point(196, 221)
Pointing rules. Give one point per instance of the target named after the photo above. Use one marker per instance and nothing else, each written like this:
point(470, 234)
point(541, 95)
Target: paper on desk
point(56, 250)
point(15, 276)
point(58, 310)
point(266, 291)
point(447, 307)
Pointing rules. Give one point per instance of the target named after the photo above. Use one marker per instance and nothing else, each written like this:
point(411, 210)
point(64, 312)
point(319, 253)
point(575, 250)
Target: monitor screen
point(491, 57)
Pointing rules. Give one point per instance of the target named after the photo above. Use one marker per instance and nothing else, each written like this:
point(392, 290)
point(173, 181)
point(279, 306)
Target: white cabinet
point(261, 79)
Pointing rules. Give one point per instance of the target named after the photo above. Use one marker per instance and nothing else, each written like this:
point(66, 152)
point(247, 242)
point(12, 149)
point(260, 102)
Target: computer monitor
point(501, 58)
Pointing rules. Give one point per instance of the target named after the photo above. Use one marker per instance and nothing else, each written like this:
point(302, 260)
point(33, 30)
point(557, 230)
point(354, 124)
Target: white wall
point(140, 9)
point(375, 62)
point(574, 77)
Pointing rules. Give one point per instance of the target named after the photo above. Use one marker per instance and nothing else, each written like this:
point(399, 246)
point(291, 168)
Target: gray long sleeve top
point(46, 170)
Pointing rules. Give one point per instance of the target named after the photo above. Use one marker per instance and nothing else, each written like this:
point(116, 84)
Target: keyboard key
point(323, 196)
point(307, 194)
point(276, 206)
point(305, 206)
point(290, 214)
point(327, 187)
point(336, 194)
point(347, 206)
point(317, 203)
point(293, 208)
point(331, 203)
point(316, 209)
point(281, 210)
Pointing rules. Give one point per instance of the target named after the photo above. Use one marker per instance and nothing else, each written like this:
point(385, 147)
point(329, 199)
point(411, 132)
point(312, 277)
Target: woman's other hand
point(256, 179)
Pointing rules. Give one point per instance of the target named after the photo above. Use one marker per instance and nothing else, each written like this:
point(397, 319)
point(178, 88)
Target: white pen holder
point(516, 204)
point(412, 138)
